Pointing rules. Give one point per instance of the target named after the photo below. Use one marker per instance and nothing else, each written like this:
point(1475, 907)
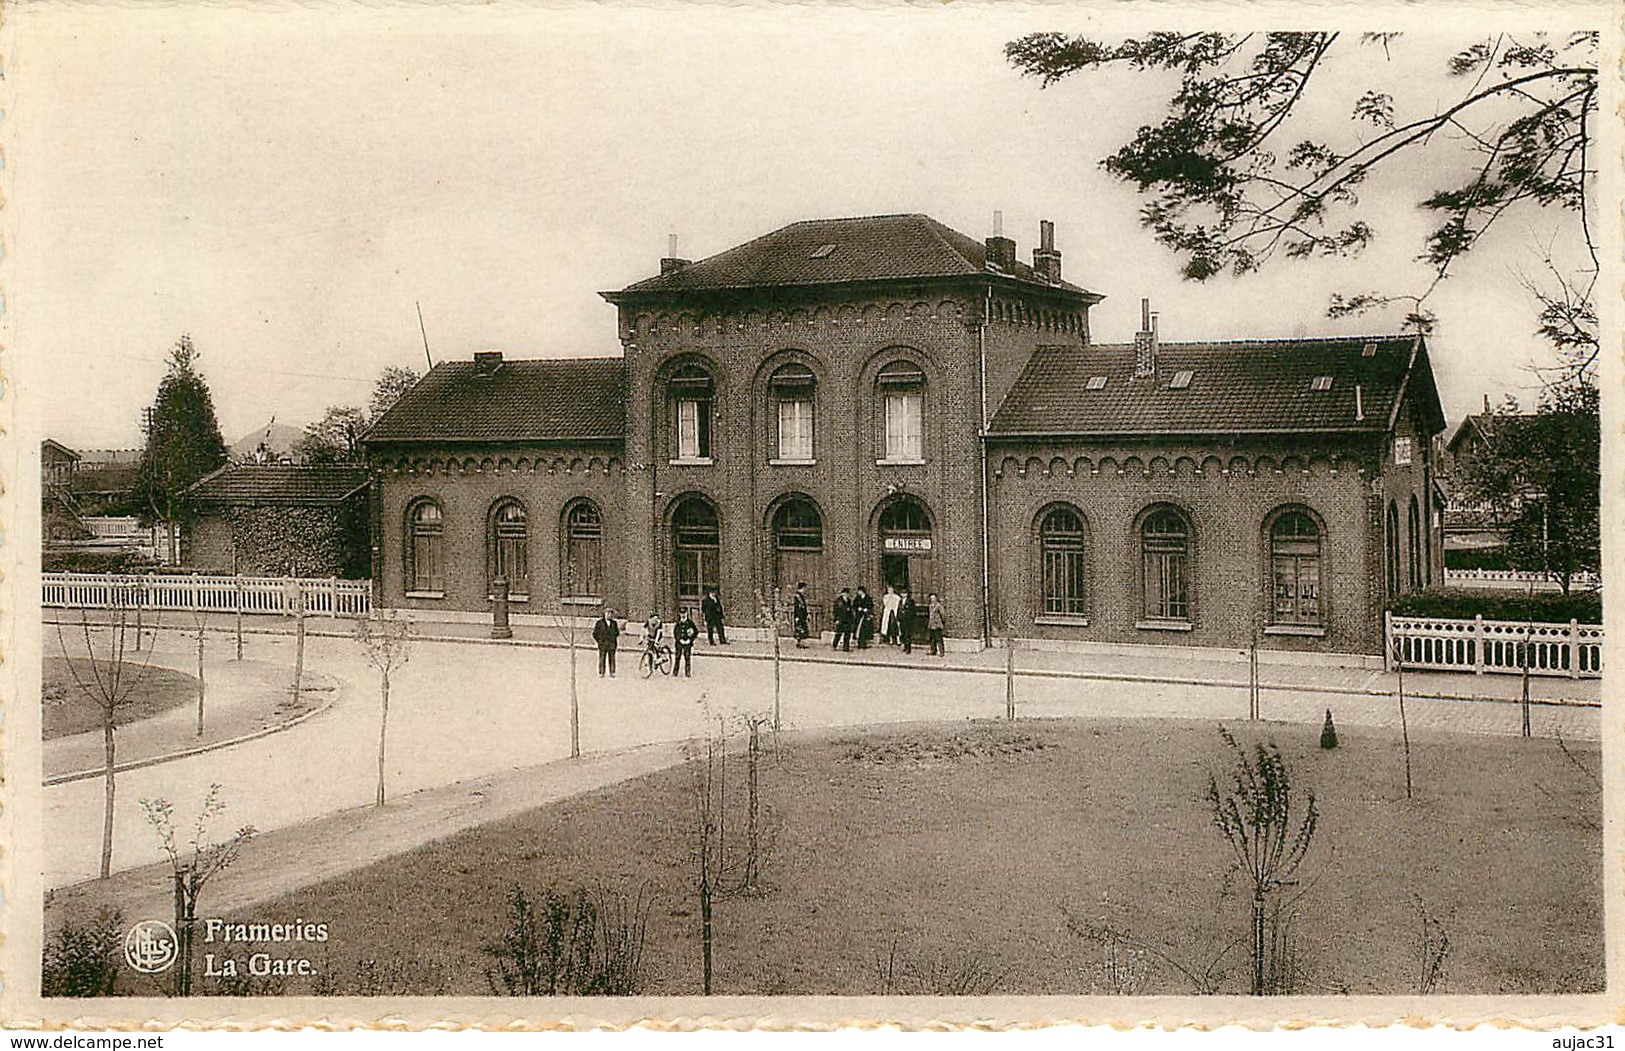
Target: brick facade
point(671, 521)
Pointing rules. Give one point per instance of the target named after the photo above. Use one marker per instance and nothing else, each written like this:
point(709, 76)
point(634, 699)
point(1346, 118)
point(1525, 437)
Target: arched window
point(583, 561)
point(508, 543)
point(798, 549)
point(696, 550)
point(691, 391)
point(791, 388)
point(1295, 569)
point(1414, 535)
point(1060, 544)
point(1165, 561)
point(1393, 548)
point(425, 548)
point(902, 393)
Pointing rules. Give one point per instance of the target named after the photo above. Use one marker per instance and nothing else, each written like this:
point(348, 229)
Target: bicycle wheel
point(646, 664)
point(668, 666)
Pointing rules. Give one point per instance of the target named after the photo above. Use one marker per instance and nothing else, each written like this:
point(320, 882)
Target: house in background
point(104, 481)
point(1474, 530)
point(886, 401)
point(59, 511)
point(281, 520)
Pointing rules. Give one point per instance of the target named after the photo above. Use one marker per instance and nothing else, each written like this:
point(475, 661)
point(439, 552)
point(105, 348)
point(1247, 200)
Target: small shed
point(282, 520)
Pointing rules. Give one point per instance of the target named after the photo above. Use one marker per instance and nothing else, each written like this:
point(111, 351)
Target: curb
point(1085, 676)
point(186, 753)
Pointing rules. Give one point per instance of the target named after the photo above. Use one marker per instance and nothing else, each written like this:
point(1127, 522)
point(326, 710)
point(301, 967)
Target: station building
point(884, 400)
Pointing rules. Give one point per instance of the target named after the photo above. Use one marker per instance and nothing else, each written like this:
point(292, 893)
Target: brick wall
point(1227, 499)
point(468, 485)
point(845, 342)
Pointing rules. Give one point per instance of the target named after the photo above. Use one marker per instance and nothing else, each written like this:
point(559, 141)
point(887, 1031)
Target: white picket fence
point(1479, 645)
point(184, 593)
point(1515, 579)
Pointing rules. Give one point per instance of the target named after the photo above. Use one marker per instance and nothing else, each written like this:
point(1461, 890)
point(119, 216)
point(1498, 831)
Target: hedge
point(1463, 604)
point(103, 560)
point(1478, 558)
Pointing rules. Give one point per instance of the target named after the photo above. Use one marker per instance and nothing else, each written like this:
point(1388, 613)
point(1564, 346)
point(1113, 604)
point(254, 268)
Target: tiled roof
point(280, 484)
point(1241, 387)
point(870, 248)
point(535, 400)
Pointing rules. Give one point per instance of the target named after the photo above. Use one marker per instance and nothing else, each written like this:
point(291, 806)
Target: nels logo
point(151, 947)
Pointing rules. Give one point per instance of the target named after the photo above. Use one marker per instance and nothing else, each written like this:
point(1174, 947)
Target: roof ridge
point(1393, 338)
point(528, 361)
point(855, 219)
point(936, 229)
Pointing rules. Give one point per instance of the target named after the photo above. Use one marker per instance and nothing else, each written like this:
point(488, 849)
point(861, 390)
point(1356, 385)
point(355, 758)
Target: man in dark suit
point(607, 633)
point(841, 610)
point(906, 614)
point(685, 635)
point(711, 610)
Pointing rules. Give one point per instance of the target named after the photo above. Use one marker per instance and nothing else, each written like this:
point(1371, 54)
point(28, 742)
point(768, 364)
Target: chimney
point(487, 362)
point(671, 263)
point(1145, 342)
point(1046, 260)
point(1486, 403)
point(1001, 250)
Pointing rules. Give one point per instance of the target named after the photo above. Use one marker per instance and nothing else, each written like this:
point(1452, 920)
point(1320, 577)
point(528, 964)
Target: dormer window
point(1181, 380)
point(1321, 383)
point(1096, 383)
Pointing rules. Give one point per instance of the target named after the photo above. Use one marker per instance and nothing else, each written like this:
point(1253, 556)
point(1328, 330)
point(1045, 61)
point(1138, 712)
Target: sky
point(285, 184)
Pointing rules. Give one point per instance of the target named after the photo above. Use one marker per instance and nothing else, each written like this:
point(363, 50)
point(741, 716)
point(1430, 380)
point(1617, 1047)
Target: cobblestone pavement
point(460, 711)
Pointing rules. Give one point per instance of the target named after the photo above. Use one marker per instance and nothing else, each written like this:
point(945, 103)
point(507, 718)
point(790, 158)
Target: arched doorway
point(905, 552)
point(696, 551)
point(798, 554)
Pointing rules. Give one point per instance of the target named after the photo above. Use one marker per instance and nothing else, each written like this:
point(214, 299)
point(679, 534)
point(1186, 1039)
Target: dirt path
point(287, 859)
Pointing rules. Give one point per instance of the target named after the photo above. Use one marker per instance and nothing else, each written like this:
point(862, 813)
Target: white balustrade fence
point(1516, 579)
point(1479, 645)
point(111, 528)
point(180, 592)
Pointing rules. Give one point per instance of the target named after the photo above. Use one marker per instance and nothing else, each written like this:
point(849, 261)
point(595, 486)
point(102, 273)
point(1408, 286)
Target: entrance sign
point(916, 544)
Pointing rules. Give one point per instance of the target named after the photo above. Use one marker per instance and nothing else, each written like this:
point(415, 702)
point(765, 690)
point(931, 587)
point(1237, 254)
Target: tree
point(333, 438)
point(565, 620)
point(1269, 836)
point(1232, 184)
point(110, 681)
point(1542, 475)
point(392, 383)
point(386, 641)
point(721, 873)
point(193, 869)
point(183, 441)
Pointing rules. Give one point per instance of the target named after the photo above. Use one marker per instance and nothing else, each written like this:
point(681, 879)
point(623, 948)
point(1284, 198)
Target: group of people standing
point(855, 616)
point(898, 618)
point(606, 632)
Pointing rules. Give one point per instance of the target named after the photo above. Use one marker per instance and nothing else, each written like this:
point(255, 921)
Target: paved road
point(461, 711)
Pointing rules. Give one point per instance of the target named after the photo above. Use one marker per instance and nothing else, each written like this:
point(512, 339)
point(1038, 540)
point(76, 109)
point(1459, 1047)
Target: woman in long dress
point(889, 604)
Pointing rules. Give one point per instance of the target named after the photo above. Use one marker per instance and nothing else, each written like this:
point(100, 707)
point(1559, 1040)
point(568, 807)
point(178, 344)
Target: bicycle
point(657, 658)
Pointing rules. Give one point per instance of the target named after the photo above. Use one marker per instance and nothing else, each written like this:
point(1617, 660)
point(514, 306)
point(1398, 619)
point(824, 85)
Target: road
point(461, 710)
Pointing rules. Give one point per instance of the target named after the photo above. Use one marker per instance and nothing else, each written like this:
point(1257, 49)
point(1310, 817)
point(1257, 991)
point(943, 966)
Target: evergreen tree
point(183, 441)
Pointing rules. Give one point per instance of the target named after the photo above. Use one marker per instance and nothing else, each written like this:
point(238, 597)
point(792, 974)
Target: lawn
point(68, 709)
point(949, 858)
